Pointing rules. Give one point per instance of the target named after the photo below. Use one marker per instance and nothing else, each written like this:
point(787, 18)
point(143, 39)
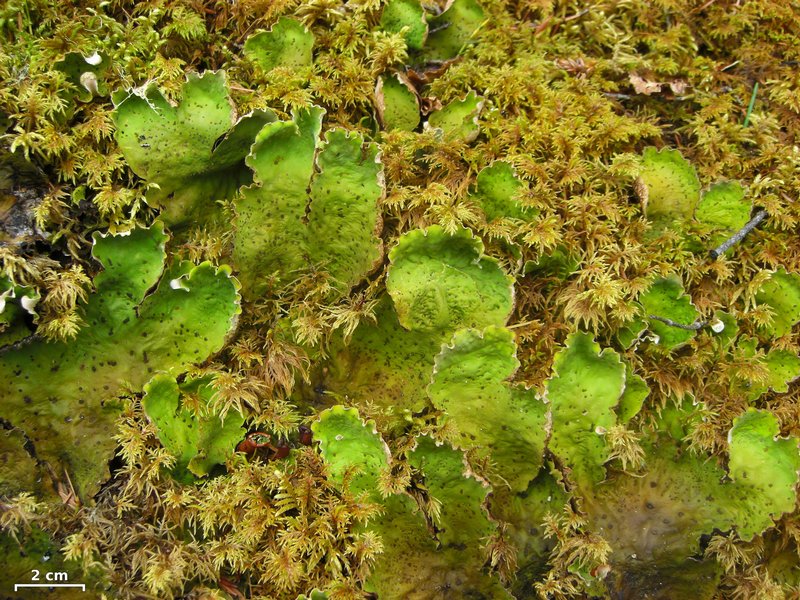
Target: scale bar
point(49, 585)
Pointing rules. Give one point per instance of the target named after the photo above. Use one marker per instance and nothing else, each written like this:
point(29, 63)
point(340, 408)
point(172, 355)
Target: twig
point(542, 26)
point(577, 15)
point(693, 327)
point(739, 235)
point(730, 66)
point(702, 8)
point(441, 27)
point(522, 324)
point(751, 105)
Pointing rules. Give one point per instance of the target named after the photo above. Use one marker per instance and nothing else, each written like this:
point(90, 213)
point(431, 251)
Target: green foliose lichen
point(192, 155)
point(198, 440)
point(507, 422)
point(296, 218)
point(62, 394)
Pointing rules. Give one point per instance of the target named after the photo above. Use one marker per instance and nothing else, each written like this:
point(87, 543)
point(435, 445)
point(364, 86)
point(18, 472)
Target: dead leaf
point(678, 87)
point(429, 104)
point(644, 86)
point(425, 76)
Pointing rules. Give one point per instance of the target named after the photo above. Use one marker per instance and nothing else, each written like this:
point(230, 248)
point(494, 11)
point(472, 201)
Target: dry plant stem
point(577, 15)
point(693, 327)
point(704, 6)
point(739, 235)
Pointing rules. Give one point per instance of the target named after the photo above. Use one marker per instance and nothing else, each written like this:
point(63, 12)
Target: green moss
point(495, 151)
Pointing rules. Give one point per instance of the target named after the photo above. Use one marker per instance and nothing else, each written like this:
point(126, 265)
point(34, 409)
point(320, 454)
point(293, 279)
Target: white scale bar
point(49, 585)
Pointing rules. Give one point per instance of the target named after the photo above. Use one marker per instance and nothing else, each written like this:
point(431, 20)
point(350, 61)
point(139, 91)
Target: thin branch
point(240, 89)
point(739, 235)
point(693, 327)
point(522, 324)
point(730, 66)
point(577, 15)
point(702, 8)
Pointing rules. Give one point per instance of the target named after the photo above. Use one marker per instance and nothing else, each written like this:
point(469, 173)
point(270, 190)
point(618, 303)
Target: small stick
point(693, 327)
point(733, 64)
point(751, 105)
point(577, 15)
point(542, 26)
point(522, 324)
point(702, 8)
point(739, 235)
point(441, 27)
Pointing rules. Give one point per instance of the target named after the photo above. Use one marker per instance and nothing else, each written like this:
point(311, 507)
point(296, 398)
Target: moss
point(529, 131)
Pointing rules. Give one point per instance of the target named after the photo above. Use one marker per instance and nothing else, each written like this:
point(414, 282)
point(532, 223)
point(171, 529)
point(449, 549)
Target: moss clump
point(493, 248)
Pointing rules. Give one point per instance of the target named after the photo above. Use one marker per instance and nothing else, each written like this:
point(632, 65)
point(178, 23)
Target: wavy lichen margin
point(62, 394)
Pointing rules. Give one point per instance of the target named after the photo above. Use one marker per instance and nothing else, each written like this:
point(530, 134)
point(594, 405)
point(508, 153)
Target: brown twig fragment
point(577, 15)
point(693, 327)
point(739, 235)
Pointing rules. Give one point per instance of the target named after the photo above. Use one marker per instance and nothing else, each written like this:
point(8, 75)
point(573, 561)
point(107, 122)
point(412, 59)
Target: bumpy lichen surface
point(440, 282)
point(400, 299)
point(62, 394)
point(585, 388)
point(198, 441)
point(294, 219)
point(445, 553)
point(665, 299)
point(669, 187)
point(469, 388)
point(192, 155)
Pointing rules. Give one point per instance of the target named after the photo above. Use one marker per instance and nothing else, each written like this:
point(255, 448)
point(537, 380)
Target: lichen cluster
point(400, 299)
